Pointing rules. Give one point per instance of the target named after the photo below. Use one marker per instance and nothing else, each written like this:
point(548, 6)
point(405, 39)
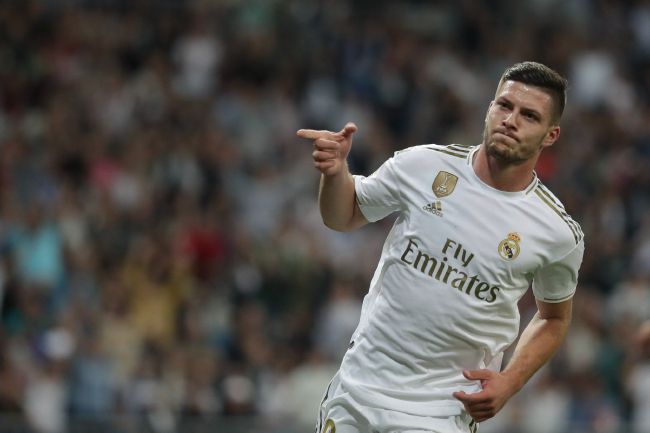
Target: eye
point(530, 116)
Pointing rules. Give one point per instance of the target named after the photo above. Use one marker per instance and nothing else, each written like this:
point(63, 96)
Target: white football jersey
point(444, 295)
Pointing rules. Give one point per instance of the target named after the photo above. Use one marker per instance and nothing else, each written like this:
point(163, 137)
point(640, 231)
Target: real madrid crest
point(509, 248)
point(444, 184)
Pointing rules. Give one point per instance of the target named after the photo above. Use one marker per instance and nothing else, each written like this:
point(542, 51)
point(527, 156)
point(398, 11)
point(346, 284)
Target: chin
point(499, 150)
point(504, 153)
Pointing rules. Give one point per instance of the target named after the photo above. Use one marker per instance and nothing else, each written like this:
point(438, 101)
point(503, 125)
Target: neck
point(502, 175)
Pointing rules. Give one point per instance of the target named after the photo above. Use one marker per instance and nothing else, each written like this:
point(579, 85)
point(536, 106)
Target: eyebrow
point(523, 109)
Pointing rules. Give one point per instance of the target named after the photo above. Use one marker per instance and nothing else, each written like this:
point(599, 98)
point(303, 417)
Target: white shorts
point(340, 413)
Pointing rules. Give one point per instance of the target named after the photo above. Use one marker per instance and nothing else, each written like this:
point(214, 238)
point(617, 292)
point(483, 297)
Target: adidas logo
point(434, 208)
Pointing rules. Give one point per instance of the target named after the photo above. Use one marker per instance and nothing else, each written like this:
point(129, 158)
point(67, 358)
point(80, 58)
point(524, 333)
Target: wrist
point(337, 174)
point(515, 381)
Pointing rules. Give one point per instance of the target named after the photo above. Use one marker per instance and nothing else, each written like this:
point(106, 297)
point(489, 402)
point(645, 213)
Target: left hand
point(483, 405)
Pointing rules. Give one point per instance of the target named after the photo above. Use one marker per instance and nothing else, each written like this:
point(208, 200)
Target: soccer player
point(475, 229)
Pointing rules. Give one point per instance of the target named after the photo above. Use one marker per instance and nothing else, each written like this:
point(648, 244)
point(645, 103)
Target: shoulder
point(557, 213)
point(461, 151)
point(451, 151)
point(413, 162)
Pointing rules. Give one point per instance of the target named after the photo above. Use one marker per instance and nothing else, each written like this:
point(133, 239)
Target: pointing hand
point(331, 149)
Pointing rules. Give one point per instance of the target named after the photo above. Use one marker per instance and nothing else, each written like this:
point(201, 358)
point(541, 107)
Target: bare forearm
point(336, 196)
point(337, 202)
point(537, 344)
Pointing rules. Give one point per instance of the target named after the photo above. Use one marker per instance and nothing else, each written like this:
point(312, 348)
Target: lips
point(507, 134)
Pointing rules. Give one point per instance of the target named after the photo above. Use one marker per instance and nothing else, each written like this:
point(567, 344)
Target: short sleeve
point(378, 195)
point(557, 282)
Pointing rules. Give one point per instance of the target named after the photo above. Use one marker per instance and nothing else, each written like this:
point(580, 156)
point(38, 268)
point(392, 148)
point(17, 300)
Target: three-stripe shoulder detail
point(549, 199)
point(457, 150)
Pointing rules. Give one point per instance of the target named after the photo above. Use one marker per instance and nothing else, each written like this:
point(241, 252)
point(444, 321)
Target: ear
point(551, 136)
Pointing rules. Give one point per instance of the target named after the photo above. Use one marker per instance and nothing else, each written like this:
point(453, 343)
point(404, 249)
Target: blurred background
point(163, 266)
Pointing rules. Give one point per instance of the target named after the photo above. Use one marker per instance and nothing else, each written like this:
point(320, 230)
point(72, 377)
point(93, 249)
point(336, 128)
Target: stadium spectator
point(107, 138)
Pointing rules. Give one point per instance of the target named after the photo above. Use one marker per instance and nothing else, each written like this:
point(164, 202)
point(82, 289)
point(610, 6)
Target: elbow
point(557, 326)
point(344, 222)
point(338, 226)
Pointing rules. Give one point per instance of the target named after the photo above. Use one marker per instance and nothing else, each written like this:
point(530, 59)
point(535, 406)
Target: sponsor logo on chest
point(449, 266)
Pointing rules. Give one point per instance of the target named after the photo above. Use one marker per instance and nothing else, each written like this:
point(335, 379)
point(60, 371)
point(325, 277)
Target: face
point(519, 123)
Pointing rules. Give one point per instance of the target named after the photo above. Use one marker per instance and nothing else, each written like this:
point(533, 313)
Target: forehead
point(526, 95)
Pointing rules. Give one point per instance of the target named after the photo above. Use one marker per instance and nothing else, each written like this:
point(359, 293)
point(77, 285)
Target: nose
point(509, 121)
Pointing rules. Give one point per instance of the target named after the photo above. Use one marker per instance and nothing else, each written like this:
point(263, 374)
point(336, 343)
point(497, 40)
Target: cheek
point(541, 137)
point(491, 118)
point(534, 142)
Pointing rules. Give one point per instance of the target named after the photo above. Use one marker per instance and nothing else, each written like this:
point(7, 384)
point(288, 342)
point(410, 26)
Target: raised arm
point(537, 344)
point(336, 198)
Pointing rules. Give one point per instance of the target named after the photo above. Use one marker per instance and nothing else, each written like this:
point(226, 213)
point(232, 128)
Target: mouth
point(506, 134)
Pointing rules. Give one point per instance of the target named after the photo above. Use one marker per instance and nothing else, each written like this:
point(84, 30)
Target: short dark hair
point(537, 74)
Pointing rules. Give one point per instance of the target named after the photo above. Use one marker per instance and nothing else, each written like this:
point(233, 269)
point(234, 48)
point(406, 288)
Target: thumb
point(349, 129)
point(482, 374)
point(460, 395)
point(466, 398)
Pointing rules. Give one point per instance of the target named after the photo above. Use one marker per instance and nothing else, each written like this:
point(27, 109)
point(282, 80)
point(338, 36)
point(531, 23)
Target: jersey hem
point(439, 404)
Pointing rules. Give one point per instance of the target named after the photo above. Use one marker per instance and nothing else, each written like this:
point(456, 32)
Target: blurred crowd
point(161, 253)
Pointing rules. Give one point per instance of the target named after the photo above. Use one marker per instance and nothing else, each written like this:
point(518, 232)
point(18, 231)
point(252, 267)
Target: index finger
point(312, 134)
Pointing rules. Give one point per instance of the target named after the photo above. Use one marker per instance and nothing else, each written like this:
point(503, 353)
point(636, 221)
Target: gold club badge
point(444, 184)
point(509, 248)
